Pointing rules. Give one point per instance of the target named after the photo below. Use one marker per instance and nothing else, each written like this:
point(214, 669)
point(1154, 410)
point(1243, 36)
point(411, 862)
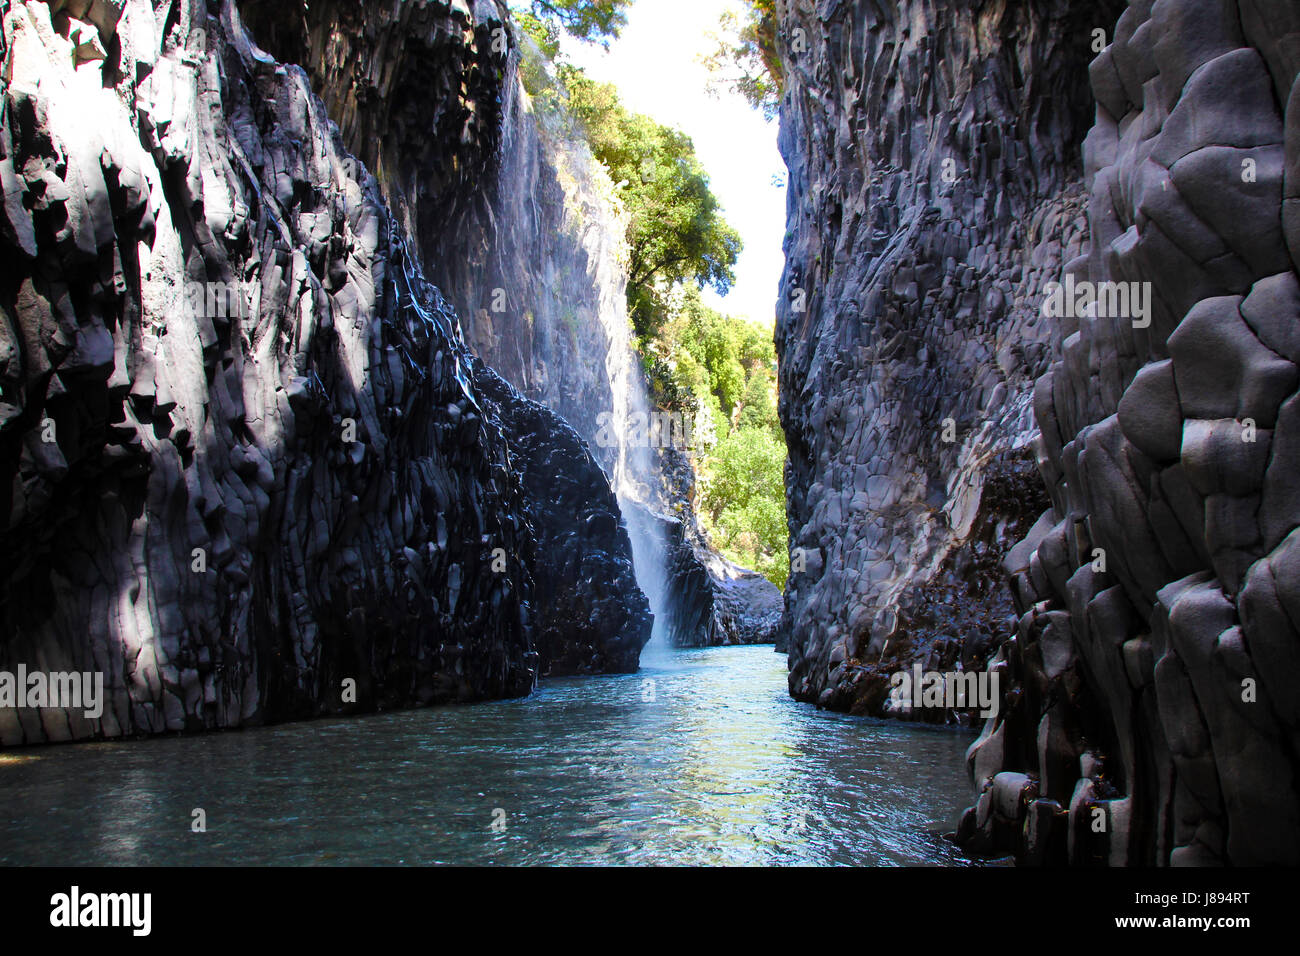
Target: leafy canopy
point(593, 21)
point(746, 59)
point(725, 368)
point(676, 230)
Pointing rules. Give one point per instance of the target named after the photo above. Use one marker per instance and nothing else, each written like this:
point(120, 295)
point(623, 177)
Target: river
point(700, 758)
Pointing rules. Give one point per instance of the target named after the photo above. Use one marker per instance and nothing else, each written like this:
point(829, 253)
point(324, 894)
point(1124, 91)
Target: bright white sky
point(656, 66)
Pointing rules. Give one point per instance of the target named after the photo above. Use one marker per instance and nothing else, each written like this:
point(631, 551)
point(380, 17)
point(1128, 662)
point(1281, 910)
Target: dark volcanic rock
point(520, 228)
point(716, 602)
point(250, 456)
point(590, 617)
point(935, 186)
point(1152, 679)
point(511, 215)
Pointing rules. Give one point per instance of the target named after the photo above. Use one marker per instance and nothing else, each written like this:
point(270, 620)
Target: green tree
point(728, 363)
point(593, 21)
point(676, 230)
point(746, 60)
point(745, 466)
point(712, 340)
point(543, 32)
point(758, 409)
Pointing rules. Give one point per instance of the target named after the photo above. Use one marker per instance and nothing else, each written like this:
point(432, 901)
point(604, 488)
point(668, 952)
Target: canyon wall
point(521, 229)
point(935, 187)
point(248, 455)
point(941, 184)
point(514, 221)
point(1152, 715)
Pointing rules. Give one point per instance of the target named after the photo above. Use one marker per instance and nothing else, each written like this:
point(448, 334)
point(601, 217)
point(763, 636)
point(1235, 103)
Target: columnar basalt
point(1153, 715)
point(251, 458)
point(514, 222)
point(521, 229)
point(934, 188)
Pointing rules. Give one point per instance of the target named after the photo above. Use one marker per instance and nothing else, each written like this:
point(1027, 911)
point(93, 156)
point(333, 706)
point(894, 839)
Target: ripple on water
point(704, 760)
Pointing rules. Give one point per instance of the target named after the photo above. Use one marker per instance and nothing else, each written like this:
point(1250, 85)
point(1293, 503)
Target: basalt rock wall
point(513, 219)
point(1153, 715)
point(935, 186)
point(521, 229)
point(248, 455)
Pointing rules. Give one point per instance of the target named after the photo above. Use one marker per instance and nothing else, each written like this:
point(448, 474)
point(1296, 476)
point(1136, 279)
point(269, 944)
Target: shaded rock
point(926, 218)
point(1173, 683)
point(252, 457)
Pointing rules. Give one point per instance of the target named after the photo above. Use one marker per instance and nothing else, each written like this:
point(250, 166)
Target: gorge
point(1148, 717)
point(320, 397)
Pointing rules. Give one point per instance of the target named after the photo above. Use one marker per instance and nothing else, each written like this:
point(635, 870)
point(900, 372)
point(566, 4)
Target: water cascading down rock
point(250, 455)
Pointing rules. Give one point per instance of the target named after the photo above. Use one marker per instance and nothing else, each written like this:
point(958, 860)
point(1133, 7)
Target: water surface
point(699, 758)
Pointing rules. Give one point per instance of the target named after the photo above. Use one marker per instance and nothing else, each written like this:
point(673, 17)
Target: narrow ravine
point(420, 422)
point(705, 759)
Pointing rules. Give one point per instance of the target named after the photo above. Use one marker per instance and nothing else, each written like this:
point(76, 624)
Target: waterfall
point(629, 434)
point(634, 481)
point(578, 250)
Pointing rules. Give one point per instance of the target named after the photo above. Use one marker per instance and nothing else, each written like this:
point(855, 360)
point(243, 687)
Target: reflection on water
point(703, 759)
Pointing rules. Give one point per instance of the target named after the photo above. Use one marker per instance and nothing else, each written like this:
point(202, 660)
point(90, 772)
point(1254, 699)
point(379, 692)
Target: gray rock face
point(519, 227)
point(717, 602)
point(1152, 677)
point(249, 454)
point(934, 188)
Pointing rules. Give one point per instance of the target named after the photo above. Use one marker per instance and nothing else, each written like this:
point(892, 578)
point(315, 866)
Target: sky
point(656, 66)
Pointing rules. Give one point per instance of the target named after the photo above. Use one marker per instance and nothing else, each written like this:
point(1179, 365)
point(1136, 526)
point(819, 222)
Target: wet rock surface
point(935, 187)
point(717, 602)
point(521, 229)
point(249, 454)
point(1152, 698)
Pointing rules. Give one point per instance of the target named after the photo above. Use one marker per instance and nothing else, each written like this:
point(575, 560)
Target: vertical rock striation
point(934, 188)
point(1153, 715)
point(249, 454)
point(521, 229)
point(514, 222)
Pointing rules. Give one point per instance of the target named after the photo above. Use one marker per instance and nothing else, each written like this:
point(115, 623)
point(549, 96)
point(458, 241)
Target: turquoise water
point(701, 759)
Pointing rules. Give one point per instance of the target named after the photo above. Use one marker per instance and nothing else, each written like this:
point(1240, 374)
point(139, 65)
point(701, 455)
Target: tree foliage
point(543, 32)
point(746, 60)
point(725, 368)
point(593, 21)
point(676, 230)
